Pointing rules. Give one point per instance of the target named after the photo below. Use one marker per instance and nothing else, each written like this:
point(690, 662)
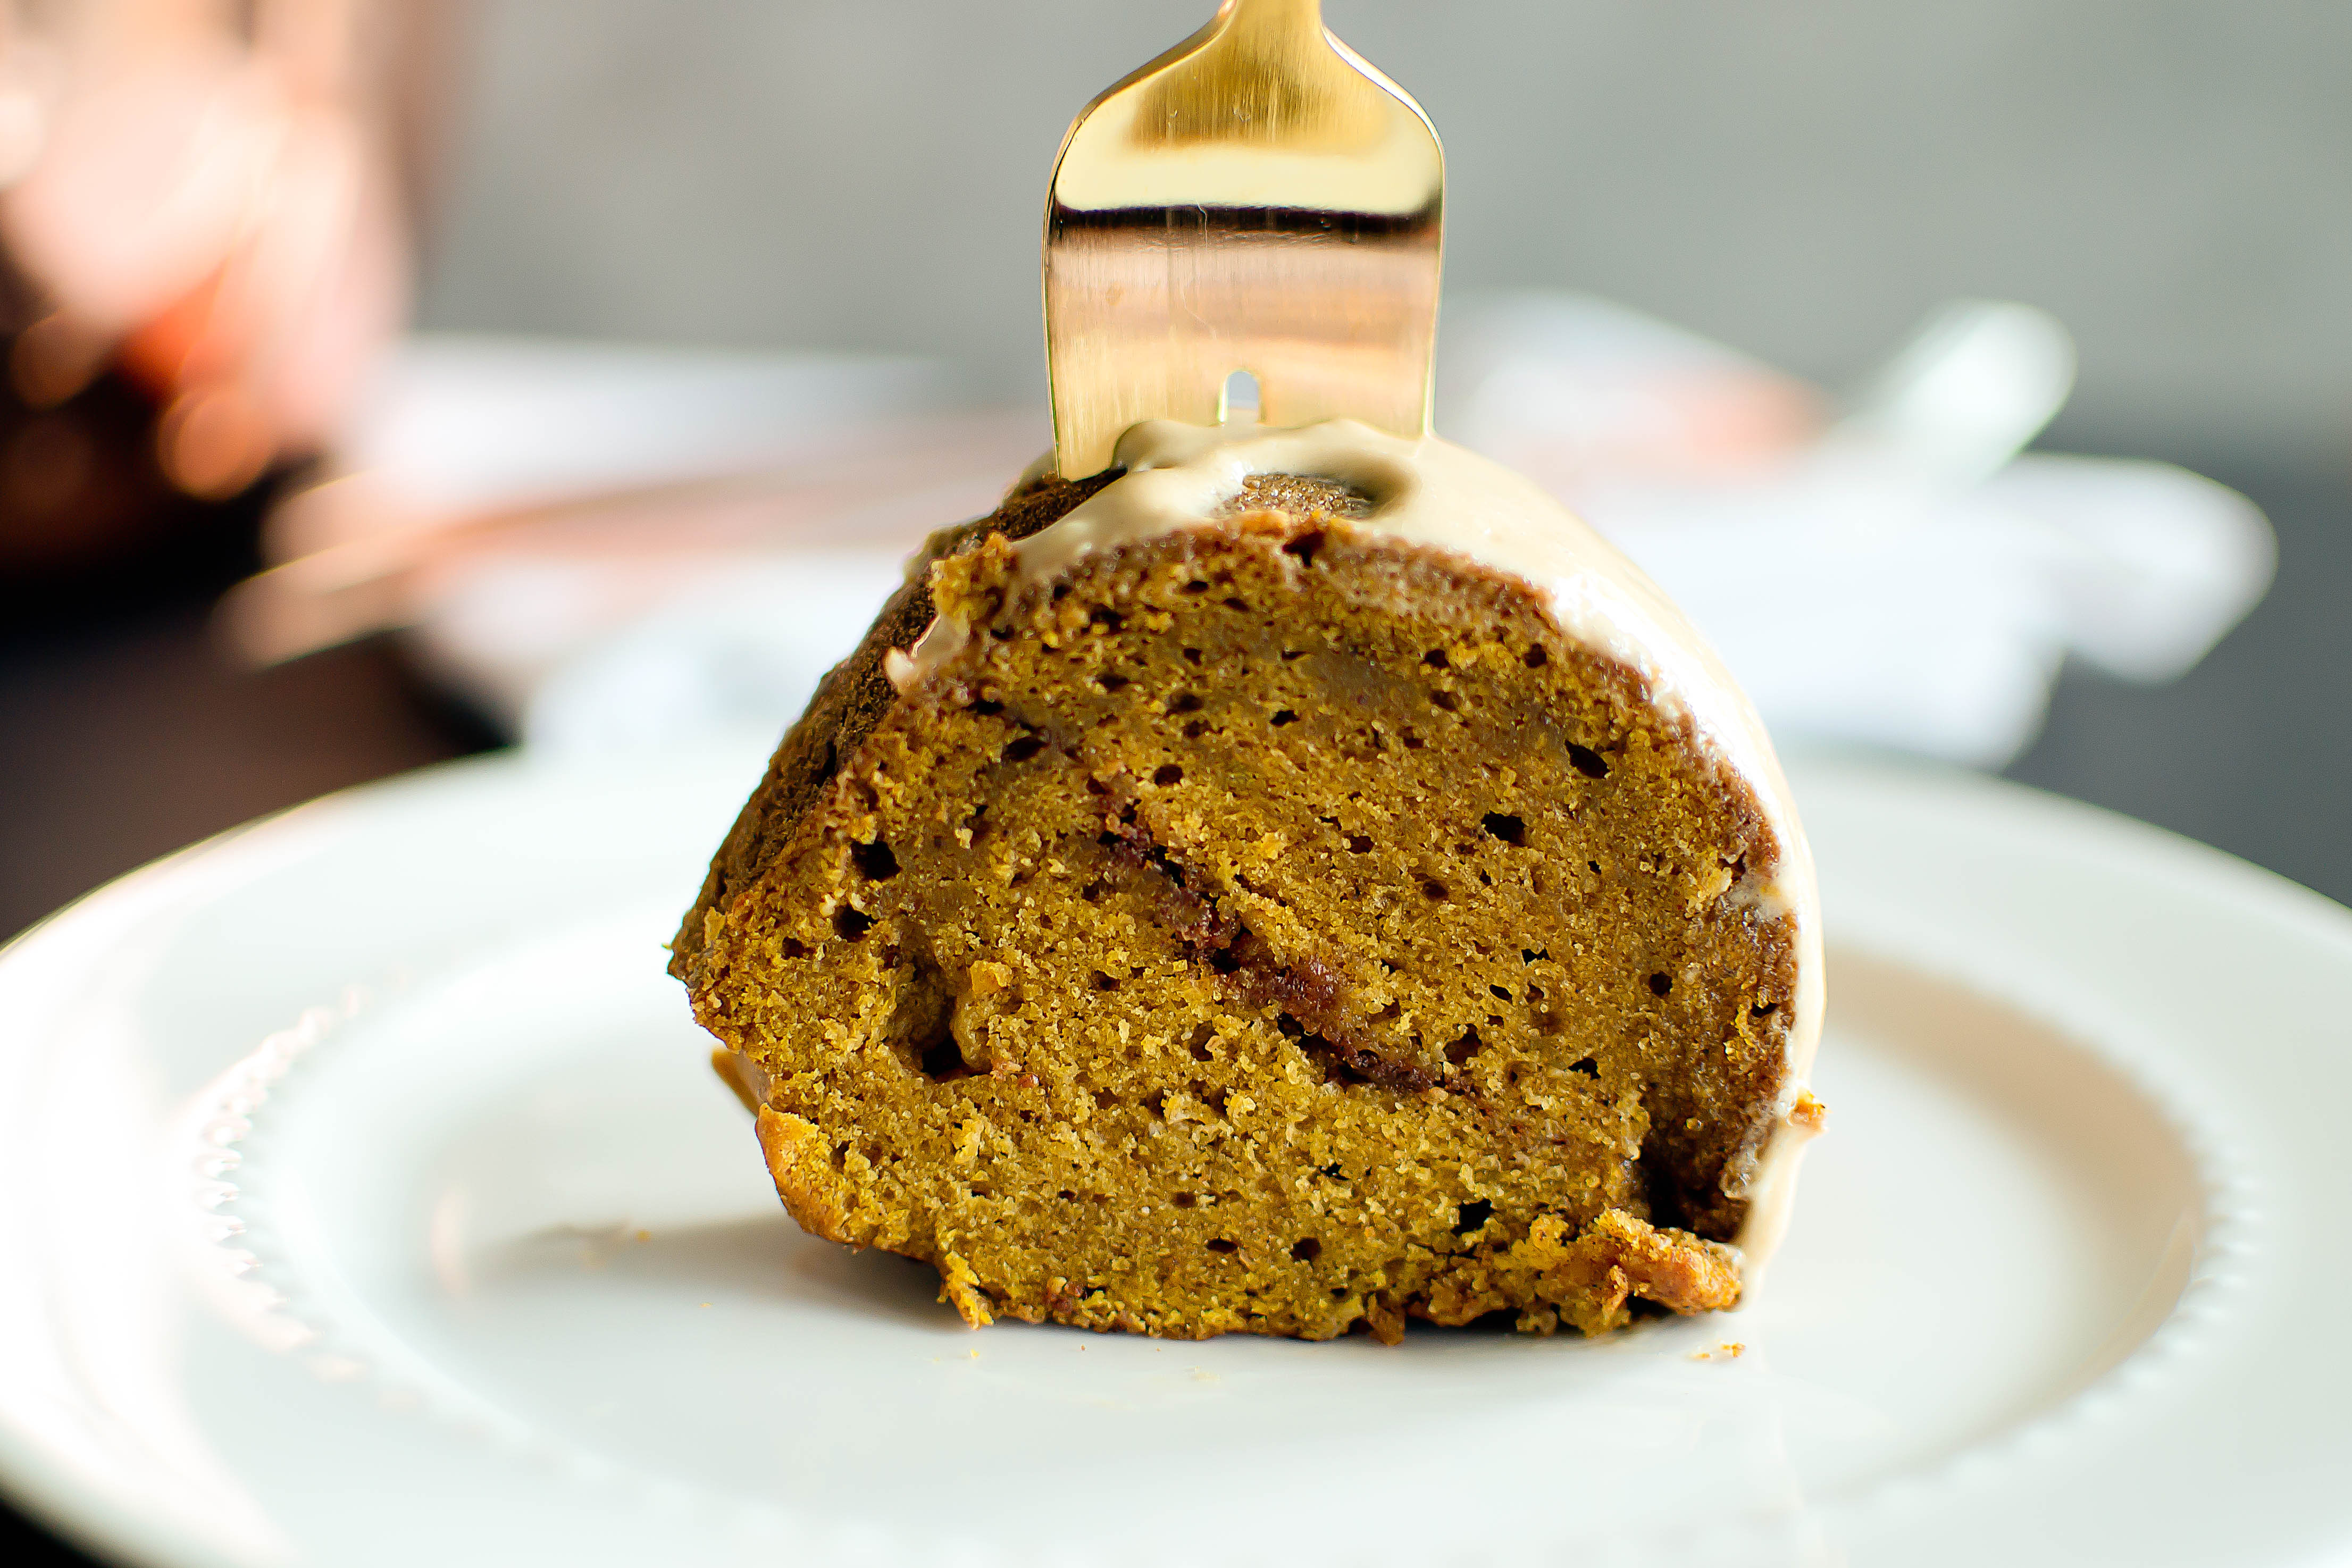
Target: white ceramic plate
point(368, 1202)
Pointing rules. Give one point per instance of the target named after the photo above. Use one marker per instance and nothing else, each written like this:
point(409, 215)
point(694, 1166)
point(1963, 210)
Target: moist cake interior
point(1269, 927)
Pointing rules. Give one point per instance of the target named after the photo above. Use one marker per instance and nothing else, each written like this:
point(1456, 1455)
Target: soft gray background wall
point(1801, 177)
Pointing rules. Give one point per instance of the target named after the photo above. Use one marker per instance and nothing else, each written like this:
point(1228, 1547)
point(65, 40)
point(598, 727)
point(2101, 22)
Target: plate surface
point(369, 1202)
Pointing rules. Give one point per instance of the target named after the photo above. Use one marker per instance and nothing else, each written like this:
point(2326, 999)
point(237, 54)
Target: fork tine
point(1257, 199)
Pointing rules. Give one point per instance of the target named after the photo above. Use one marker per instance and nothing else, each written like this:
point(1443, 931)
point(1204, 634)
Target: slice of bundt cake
point(1299, 880)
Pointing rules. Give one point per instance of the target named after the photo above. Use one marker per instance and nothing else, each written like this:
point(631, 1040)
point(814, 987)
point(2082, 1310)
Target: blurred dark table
point(2252, 750)
point(124, 734)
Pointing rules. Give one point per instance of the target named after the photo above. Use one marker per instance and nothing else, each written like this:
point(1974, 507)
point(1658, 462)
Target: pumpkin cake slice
point(1299, 879)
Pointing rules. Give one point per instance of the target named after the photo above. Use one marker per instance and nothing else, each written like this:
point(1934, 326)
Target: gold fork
point(1259, 199)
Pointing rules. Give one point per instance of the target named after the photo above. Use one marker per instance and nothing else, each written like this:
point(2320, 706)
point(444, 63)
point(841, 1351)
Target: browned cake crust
point(1269, 927)
point(850, 701)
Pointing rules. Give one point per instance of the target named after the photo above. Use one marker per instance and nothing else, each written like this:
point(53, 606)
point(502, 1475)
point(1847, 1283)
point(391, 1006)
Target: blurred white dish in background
point(1896, 576)
point(740, 650)
point(2153, 564)
point(616, 625)
point(458, 422)
point(1902, 577)
point(1976, 383)
point(1564, 386)
point(512, 503)
point(1856, 604)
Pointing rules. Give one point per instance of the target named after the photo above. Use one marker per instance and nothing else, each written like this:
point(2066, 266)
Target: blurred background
point(577, 370)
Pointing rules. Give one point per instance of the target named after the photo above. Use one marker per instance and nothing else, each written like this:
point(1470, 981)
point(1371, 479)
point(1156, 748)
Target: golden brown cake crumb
point(1267, 927)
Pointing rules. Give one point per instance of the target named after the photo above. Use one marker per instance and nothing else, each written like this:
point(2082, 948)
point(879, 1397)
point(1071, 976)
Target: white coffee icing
point(1434, 494)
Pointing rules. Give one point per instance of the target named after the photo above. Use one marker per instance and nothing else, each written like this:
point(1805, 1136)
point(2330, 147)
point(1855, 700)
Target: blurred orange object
point(213, 210)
